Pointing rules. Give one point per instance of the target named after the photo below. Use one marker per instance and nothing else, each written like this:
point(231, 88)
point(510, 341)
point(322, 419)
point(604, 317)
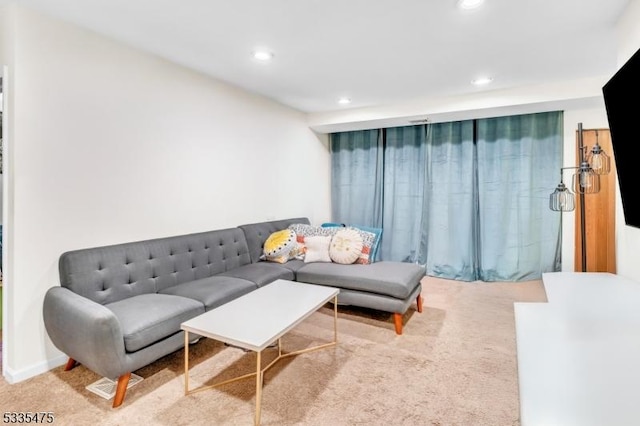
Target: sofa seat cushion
point(261, 273)
point(293, 265)
point(212, 291)
point(148, 318)
point(395, 279)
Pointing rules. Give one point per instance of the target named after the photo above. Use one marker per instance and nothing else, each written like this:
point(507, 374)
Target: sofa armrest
point(85, 330)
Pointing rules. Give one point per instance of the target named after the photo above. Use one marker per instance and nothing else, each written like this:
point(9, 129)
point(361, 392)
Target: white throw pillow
point(346, 246)
point(317, 249)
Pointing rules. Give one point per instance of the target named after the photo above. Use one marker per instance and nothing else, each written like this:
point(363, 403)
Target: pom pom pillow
point(371, 242)
point(368, 239)
point(346, 246)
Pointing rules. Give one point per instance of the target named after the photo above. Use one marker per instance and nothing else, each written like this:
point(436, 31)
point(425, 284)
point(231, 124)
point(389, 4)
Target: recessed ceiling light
point(344, 101)
point(481, 81)
point(469, 4)
point(263, 55)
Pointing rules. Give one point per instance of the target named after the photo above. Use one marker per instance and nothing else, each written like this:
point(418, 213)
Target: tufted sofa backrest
point(111, 273)
point(257, 233)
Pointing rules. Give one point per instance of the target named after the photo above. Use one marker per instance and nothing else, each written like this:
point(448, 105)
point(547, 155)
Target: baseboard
point(13, 376)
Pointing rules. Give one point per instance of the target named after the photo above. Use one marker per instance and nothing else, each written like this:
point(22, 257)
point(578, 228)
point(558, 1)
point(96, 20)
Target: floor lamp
point(586, 180)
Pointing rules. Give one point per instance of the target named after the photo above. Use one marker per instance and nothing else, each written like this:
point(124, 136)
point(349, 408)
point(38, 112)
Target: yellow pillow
point(346, 246)
point(281, 246)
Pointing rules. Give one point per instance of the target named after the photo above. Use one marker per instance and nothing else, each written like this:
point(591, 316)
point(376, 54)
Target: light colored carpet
point(455, 364)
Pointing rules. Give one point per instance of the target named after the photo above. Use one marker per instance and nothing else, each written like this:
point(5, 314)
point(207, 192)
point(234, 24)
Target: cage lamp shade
point(585, 180)
point(562, 200)
point(598, 160)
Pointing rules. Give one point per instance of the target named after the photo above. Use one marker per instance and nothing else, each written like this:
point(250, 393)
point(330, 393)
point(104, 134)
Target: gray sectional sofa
point(120, 307)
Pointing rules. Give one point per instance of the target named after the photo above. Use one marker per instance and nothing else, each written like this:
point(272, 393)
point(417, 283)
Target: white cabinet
point(579, 354)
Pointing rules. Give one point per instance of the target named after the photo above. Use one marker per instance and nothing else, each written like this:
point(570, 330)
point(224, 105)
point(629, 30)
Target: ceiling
point(375, 52)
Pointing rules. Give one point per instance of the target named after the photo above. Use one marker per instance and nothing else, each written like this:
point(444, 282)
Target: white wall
point(627, 237)
point(112, 145)
point(6, 60)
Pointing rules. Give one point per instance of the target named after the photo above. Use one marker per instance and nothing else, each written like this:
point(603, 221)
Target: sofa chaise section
point(386, 286)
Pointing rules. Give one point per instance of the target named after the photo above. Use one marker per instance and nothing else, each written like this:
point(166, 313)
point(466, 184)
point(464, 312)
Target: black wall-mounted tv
point(622, 97)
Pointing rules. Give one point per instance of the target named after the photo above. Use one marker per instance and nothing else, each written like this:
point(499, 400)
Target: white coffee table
point(256, 320)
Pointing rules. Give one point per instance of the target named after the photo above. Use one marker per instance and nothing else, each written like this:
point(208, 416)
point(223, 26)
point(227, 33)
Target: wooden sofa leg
point(123, 381)
point(70, 364)
point(419, 303)
point(397, 320)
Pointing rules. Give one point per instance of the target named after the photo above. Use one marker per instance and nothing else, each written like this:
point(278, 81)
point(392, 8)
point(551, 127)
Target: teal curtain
point(468, 199)
point(448, 230)
point(404, 171)
point(357, 176)
point(519, 159)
